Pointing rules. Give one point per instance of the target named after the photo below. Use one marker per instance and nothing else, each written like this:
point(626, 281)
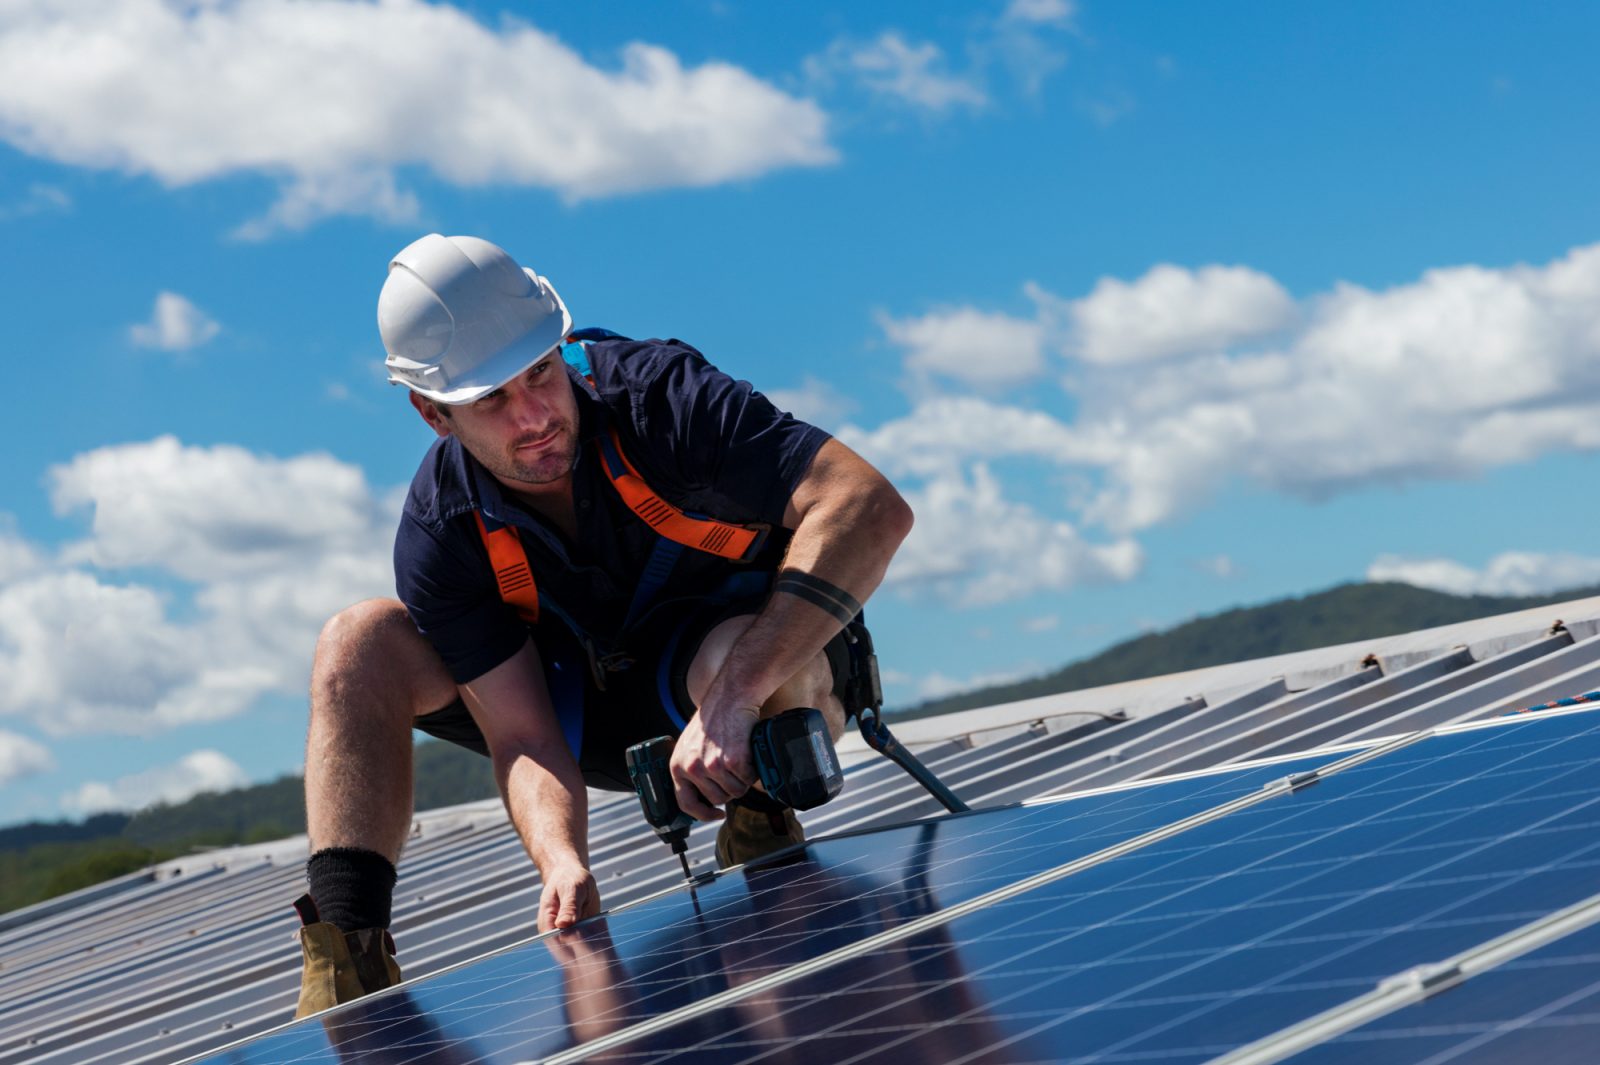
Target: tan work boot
point(341, 966)
point(747, 834)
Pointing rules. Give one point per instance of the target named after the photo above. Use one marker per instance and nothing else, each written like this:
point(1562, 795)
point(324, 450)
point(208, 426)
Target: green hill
point(1342, 614)
point(39, 860)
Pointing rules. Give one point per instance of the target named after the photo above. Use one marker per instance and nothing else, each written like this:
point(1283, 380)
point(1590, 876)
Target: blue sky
point(1150, 309)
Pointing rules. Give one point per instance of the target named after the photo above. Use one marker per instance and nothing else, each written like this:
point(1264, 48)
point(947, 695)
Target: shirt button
point(583, 504)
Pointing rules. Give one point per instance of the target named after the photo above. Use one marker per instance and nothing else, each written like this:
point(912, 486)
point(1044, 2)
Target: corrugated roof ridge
point(1484, 637)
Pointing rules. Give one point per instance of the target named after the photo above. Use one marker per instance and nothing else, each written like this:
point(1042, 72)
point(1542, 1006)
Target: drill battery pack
point(795, 758)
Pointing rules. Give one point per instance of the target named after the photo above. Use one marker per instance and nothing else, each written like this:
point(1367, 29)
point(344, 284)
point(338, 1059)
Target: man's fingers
point(566, 901)
point(567, 916)
point(720, 779)
point(549, 905)
point(691, 802)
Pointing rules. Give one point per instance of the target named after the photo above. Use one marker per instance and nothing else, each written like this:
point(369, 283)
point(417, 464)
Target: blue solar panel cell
point(1542, 1007)
point(1219, 936)
point(641, 962)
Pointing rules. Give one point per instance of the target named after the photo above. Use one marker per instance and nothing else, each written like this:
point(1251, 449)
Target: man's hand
point(569, 895)
point(711, 761)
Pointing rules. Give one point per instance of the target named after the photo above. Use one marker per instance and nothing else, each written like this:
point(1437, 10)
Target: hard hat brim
point(504, 364)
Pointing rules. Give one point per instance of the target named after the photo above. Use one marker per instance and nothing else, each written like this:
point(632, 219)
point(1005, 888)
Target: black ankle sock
point(353, 888)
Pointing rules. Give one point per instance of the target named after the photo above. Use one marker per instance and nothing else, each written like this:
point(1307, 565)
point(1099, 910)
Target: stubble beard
point(553, 464)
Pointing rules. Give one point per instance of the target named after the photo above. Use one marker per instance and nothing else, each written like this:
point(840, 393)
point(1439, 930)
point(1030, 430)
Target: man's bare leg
point(372, 675)
point(812, 686)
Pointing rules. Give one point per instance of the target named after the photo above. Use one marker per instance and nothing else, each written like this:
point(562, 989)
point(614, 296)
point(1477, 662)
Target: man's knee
point(813, 685)
point(374, 646)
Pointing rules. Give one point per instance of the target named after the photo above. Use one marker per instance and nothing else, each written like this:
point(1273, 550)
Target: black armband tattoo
point(818, 592)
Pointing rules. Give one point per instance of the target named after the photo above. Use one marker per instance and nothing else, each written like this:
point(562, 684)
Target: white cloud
point(1042, 623)
point(943, 434)
point(1040, 12)
point(1510, 573)
point(1108, 107)
point(175, 325)
point(914, 74)
point(208, 514)
point(1025, 40)
point(80, 655)
point(1220, 566)
point(262, 550)
point(815, 401)
point(974, 547)
point(1185, 379)
point(333, 97)
point(193, 774)
point(313, 197)
point(1172, 311)
point(39, 199)
point(18, 558)
point(979, 349)
point(937, 685)
point(21, 757)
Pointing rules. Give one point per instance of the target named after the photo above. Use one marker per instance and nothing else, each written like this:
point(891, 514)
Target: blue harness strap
point(657, 569)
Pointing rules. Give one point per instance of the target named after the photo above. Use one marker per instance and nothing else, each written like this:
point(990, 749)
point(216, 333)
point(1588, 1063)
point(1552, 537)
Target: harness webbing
point(737, 543)
point(511, 570)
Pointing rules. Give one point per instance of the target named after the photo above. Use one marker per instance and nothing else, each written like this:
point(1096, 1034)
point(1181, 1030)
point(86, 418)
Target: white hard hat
point(459, 318)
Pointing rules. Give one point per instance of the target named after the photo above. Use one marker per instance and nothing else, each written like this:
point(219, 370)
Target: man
point(585, 560)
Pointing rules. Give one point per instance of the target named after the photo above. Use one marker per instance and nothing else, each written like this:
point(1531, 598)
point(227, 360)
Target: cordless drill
point(794, 758)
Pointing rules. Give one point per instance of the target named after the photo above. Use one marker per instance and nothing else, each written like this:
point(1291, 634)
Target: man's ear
point(430, 413)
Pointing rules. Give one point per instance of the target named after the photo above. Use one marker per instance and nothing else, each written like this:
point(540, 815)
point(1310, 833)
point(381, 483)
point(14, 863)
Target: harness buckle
point(600, 665)
point(762, 531)
point(864, 689)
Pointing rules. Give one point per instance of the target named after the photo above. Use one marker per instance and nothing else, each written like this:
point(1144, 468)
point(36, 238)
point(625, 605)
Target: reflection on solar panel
point(930, 942)
point(678, 949)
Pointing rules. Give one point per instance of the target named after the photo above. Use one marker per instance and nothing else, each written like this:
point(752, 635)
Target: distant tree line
point(1343, 614)
point(40, 860)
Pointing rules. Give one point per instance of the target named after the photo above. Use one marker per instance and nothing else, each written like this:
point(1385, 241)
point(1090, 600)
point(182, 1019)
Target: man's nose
point(530, 409)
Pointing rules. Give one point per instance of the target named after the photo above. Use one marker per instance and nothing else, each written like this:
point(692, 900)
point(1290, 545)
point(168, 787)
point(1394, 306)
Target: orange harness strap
point(511, 572)
point(737, 543)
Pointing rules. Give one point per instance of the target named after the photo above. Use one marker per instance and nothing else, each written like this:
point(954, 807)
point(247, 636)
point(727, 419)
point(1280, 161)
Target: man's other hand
point(711, 761)
point(569, 895)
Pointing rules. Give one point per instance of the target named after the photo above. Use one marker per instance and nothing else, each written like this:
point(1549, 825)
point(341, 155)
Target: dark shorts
point(650, 698)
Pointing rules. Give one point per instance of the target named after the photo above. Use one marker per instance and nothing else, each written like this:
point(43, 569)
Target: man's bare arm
point(848, 521)
point(540, 782)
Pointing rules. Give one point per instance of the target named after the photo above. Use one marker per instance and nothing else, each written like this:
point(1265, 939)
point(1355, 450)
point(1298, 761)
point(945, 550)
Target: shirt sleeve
point(727, 443)
point(449, 591)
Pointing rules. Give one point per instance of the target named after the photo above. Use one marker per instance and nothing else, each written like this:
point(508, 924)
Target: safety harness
point(675, 528)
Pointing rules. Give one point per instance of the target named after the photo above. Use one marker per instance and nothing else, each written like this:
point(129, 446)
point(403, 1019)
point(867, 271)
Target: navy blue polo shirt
point(703, 441)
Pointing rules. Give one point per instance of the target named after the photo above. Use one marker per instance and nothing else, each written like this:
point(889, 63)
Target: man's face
point(525, 432)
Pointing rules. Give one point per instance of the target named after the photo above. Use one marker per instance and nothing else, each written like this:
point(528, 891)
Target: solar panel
point(1544, 1007)
point(640, 962)
point(1193, 946)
